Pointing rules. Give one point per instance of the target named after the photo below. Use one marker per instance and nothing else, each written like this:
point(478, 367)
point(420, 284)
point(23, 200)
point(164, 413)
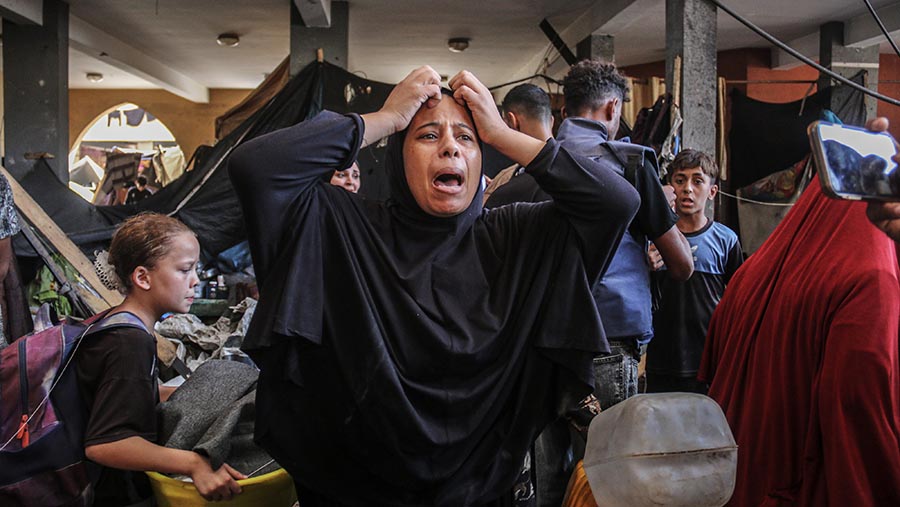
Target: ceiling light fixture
point(458, 44)
point(94, 77)
point(229, 40)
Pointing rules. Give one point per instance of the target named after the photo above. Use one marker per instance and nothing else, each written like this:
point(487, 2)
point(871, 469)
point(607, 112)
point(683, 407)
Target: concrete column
point(333, 40)
point(691, 35)
point(846, 61)
point(36, 91)
point(596, 46)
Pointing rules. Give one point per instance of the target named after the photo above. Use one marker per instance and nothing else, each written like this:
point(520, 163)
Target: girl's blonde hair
point(142, 240)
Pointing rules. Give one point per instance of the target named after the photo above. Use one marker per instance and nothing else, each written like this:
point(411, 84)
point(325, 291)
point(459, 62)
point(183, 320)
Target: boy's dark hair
point(530, 100)
point(590, 83)
point(141, 180)
point(689, 159)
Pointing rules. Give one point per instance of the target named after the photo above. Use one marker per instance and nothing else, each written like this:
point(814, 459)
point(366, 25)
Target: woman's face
point(442, 159)
point(348, 178)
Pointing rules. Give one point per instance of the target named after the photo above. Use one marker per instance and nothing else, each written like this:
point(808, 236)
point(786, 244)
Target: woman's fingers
point(421, 86)
point(468, 88)
point(469, 91)
point(428, 81)
point(465, 77)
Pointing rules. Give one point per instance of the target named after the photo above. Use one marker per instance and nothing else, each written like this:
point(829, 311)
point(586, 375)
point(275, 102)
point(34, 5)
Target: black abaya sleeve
point(283, 166)
point(597, 202)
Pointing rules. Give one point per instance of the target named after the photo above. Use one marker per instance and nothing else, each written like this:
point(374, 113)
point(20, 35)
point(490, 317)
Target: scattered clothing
point(199, 342)
point(779, 186)
point(134, 117)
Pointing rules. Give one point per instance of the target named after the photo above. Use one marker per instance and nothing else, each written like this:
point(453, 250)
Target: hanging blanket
point(768, 137)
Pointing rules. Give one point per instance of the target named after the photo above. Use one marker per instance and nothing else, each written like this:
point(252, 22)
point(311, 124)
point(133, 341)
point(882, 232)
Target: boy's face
point(693, 189)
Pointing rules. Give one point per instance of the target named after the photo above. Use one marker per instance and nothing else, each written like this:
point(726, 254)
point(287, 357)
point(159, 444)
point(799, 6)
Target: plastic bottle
point(221, 288)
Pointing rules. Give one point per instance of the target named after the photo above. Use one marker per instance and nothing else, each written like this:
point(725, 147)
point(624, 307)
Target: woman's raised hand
point(469, 91)
point(421, 86)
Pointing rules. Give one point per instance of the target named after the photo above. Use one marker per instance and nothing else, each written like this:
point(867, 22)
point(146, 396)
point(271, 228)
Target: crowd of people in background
point(448, 346)
point(660, 291)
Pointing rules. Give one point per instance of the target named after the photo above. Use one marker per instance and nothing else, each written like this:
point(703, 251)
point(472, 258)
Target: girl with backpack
point(154, 258)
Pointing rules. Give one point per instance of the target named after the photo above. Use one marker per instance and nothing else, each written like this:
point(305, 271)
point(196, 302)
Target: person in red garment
point(802, 355)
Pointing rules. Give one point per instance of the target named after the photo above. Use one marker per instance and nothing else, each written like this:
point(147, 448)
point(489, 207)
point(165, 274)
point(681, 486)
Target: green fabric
point(44, 288)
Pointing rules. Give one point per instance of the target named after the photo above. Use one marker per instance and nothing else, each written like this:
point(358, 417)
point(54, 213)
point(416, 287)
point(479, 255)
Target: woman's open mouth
point(450, 182)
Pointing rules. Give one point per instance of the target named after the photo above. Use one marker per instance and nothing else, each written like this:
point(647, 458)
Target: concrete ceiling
point(171, 43)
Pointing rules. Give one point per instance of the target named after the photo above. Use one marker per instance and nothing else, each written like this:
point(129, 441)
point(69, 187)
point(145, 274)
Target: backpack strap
point(128, 319)
point(629, 161)
point(632, 158)
point(121, 319)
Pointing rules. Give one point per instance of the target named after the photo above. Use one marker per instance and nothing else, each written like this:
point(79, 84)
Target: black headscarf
point(403, 205)
point(406, 359)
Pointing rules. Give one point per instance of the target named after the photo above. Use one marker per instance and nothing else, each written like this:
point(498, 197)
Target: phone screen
point(859, 162)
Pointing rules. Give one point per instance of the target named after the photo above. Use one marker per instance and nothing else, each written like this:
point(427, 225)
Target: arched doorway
point(123, 148)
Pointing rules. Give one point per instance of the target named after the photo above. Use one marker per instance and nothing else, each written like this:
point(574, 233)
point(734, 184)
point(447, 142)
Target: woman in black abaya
point(411, 350)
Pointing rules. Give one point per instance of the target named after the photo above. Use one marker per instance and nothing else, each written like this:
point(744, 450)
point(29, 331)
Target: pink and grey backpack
point(43, 418)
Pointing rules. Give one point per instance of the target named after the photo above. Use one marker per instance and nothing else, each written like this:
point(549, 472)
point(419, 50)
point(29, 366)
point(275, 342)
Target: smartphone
point(855, 163)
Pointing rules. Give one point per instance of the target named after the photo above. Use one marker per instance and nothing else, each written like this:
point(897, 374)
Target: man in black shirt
point(139, 191)
point(526, 108)
point(594, 93)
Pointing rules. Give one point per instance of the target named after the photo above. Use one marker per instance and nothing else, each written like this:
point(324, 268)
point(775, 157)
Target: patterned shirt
point(9, 219)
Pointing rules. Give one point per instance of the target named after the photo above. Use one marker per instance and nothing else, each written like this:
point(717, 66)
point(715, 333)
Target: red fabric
point(802, 355)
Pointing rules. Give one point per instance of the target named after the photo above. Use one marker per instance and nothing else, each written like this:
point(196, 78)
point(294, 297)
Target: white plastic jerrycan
point(673, 450)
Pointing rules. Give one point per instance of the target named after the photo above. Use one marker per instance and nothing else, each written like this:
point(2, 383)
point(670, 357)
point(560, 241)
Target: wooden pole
point(723, 149)
point(108, 298)
point(676, 82)
point(628, 111)
point(41, 221)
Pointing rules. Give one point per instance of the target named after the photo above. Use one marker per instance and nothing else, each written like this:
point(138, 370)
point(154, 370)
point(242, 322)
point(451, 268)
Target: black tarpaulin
point(766, 138)
point(203, 198)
